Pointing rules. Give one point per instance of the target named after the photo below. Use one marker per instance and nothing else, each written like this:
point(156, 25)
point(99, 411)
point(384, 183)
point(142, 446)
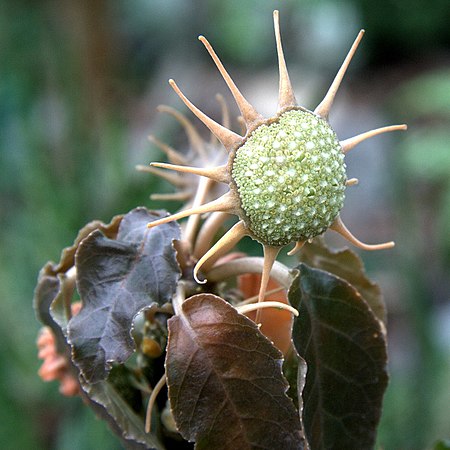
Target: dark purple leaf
point(225, 382)
point(116, 279)
point(54, 289)
point(68, 254)
point(47, 291)
point(344, 345)
point(346, 264)
point(294, 369)
point(104, 398)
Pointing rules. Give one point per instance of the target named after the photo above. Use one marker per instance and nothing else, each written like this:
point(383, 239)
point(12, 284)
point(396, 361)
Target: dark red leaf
point(226, 386)
point(344, 345)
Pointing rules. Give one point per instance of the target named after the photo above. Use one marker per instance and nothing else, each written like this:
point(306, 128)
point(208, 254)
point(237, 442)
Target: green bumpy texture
point(291, 178)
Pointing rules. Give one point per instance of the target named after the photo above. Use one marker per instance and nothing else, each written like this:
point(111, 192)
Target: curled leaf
point(344, 346)
point(67, 259)
point(225, 382)
point(116, 279)
point(54, 289)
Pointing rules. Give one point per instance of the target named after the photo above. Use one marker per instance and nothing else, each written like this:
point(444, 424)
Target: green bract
point(290, 175)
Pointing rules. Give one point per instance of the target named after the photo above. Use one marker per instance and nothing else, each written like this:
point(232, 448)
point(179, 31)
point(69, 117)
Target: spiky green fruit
point(290, 176)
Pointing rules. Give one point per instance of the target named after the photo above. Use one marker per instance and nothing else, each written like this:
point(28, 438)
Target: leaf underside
point(108, 404)
point(225, 382)
point(116, 279)
point(344, 346)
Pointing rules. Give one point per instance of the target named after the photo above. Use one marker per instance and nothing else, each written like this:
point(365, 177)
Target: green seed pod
point(290, 175)
point(286, 174)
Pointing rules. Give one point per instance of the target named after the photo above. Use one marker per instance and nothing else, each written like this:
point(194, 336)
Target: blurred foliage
point(425, 152)
point(404, 29)
point(419, 404)
point(72, 78)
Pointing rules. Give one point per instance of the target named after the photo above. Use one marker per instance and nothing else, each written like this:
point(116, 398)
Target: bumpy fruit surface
point(290, 175)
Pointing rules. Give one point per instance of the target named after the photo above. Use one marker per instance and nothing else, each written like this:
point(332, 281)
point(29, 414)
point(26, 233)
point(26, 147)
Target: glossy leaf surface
point(226, 386)
point(116, 279)
point(344, 347)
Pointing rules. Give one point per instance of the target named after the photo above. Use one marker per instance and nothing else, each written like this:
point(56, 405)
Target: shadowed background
point(79, 84)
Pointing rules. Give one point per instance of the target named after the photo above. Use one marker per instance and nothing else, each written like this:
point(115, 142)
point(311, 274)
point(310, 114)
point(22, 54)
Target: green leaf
point(117, 279)
point(345, 264)
point(344, 346)
point(443, 444)
point(226, 387)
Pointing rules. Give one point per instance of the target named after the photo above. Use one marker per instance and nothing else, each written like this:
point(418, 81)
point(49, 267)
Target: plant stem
point(279, 272)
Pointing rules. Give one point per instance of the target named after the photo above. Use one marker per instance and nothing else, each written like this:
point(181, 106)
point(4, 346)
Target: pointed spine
point(245, 309)
point(173, 156)
point(226, 122)
point(323, 109)
point(195, 140)
point(176, 196)
point(254, 299)
point(226, 202)
point(298, 246)
point(219, 174)
point(349, 144)
point(242, 124)
point(340, 228)
point(223, 245)
point(250, 115)
point(352, 182)
point(286, 97)
point(172, 178)
point(229, 139)
point(151, 402)
point(207, 232)
point(192, 224)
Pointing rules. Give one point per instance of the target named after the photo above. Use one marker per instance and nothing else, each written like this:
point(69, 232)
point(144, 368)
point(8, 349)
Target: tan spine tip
point(352, 182)
point(340, 228)
point(196, 278)
point(323, 109)
point(222, 246)
point(218, 174)
point(349, 144)
point(173, 156)
point(228, 138)
point(225, 203)
point(195, 140)
point(245, 309)
point(297, 248)
point(251, 116)
point(177, 196)
point(286, 97)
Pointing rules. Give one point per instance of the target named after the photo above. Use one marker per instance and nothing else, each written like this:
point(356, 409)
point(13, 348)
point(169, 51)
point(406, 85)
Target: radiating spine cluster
point(307, 186)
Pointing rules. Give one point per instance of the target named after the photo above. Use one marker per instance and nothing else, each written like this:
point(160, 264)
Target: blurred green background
point(79, 84)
